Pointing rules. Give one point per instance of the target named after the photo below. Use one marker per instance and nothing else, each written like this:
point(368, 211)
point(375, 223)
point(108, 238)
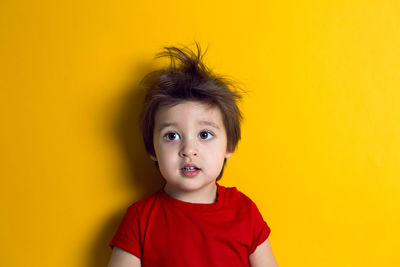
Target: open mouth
point(190, 171)
point(190, 168)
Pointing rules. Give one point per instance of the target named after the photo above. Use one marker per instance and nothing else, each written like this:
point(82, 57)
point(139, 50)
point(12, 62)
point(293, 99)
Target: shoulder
point(144, 204)
point(235, 197)
point(243, 204)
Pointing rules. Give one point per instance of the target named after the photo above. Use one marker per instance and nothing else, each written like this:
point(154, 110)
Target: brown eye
point(171, 136)
point(205, 135)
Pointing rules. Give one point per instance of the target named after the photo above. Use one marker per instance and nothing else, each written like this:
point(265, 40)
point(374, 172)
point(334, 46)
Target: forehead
point(188, 111)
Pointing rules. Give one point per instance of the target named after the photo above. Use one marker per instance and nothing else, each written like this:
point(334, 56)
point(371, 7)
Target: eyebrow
point(209, 123)
point(166, 124)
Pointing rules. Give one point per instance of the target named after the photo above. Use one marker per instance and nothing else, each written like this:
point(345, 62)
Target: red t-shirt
point(164, 231)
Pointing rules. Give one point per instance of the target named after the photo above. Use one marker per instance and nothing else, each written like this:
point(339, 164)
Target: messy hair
point(187, 78)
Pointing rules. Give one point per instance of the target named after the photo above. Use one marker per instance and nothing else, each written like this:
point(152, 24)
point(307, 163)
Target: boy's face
point(190, 133)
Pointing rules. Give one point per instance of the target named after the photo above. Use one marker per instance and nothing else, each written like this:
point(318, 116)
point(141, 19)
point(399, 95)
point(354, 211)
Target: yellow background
point(320, 152)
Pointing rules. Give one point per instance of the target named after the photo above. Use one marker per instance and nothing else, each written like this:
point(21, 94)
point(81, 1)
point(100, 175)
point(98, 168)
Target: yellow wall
point(320, 153)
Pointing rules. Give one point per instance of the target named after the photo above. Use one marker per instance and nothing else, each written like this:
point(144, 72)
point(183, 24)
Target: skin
point(191, 132)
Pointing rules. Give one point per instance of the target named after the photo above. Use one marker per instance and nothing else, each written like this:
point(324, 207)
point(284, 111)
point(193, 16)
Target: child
point(191, 125)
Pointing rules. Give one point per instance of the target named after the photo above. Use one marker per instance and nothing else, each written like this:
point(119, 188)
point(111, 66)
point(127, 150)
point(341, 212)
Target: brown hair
point(187, 78)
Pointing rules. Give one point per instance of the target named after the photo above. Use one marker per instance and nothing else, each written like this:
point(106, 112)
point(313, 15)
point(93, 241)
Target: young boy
point(191, 125)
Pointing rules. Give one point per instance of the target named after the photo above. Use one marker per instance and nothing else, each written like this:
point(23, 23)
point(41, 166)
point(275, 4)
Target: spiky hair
point(187, 78)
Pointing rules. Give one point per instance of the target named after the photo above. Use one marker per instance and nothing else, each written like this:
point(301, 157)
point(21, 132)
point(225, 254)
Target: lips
point(190, 170)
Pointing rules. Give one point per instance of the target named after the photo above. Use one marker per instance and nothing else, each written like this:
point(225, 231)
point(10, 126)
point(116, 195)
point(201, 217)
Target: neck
point(205, 195)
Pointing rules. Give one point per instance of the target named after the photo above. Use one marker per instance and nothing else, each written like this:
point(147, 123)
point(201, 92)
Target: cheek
point(214, 168)
point(167, 155)
point(216, 162)
point(159, 148)
point(167, 165)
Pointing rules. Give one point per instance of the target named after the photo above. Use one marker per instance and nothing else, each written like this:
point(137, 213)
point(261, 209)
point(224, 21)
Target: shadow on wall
point(144, 176)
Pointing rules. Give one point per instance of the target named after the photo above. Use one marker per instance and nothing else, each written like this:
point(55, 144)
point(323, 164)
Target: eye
point(205, 135)
point(171, 136)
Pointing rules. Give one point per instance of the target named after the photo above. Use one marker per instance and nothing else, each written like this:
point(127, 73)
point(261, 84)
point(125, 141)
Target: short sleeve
point(127, 236)
point(260, 229)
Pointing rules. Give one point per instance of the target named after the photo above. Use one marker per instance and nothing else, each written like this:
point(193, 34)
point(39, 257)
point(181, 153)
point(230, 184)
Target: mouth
point(190, 170)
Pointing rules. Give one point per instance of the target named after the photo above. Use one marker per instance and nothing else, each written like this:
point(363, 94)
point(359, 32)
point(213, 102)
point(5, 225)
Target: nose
point(189, 149)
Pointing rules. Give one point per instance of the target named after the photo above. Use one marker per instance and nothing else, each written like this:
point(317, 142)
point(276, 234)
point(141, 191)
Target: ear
point(228, 154)
point(153, 157)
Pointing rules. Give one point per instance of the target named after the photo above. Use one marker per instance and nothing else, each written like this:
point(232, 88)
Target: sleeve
point(127, 236)
point(260, 229)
